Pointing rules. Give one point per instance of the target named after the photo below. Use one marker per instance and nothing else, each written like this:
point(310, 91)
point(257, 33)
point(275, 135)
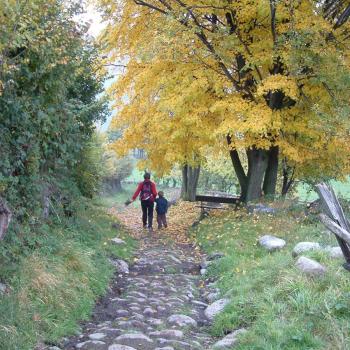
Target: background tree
point(271, 75)
point(116, 169)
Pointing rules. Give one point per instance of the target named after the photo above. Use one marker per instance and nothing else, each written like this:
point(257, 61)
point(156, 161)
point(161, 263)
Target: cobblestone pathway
point(157, 305)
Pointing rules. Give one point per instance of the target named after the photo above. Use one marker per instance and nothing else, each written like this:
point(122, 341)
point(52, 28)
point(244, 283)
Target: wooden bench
point(206, 200)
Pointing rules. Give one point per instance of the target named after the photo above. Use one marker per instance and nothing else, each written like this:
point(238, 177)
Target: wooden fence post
point(335, 220)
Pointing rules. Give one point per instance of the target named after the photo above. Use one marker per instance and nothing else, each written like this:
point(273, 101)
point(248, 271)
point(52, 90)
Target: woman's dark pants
point(147, 213)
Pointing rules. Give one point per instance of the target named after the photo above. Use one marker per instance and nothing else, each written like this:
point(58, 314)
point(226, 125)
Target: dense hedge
point(50, 76)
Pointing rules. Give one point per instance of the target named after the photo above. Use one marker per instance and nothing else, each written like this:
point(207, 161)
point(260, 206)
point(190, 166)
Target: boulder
point(335, 252)
point(215, 308)
point(271, 243)
point(310, 266)
point(229, 341)
point(302, 247)
point(182, 320)
point(117, 241)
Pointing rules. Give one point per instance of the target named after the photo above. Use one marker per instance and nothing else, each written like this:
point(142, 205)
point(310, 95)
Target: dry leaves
point(180, 217)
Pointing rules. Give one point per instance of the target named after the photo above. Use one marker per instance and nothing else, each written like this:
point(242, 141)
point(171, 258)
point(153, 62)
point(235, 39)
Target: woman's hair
point(147, 176)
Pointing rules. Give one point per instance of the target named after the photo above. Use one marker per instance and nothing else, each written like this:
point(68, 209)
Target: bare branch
point(153, 7)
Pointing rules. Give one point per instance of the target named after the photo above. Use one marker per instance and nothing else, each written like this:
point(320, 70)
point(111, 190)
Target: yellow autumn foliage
point(200, 70)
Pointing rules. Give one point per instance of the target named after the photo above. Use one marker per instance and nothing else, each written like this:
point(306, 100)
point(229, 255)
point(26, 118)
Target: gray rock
point(117, 241)
point(155, 321)
point(165, 348)
point(91, 345)
point(215, 308)
point(121, 265)
point(203, 272)
point(199, 303)
point(310, 267)
point(335, 252)
point(148, 311)
point(229, 341)
point(168, 334)
point(178, 344)
point(120, 347)
point(211, 297)
point(204, 264)
point(122, 313)
point(3, 288)
point(134, 340)
point(271, 243)
point(97, 336)
point(261, 208)
point(302, 247)
point(182, 320)
point(54, 348)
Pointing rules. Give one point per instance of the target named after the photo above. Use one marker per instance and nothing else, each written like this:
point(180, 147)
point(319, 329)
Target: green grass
point(305, 192)
point(56, 275)
point(280, 307)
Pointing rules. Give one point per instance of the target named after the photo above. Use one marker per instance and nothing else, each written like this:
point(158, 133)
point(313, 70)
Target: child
point(161, 209)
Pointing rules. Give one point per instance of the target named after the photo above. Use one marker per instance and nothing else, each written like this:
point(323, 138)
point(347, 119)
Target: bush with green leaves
point(50, 76)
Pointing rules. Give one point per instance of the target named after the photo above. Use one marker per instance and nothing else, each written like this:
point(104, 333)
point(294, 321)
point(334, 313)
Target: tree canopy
point(266, 78)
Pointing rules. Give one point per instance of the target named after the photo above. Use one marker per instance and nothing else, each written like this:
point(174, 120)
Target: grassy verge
point(280, 307)
point(55, 274)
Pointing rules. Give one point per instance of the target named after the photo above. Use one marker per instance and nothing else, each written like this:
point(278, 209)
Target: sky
point(95, 19)
point(96, 26)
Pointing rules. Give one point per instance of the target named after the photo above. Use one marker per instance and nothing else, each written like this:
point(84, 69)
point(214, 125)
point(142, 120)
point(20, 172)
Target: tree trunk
point(117, 185)
point(190, 178)
point(237, 165)
point(5, 218)
point(270, 180)
point(257, 164)
point(288, 178)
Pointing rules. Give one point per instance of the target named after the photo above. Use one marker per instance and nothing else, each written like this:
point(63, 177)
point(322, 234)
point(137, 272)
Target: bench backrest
point(212, 199)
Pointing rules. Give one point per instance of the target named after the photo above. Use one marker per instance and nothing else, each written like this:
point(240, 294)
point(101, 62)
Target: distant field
point(342, 189)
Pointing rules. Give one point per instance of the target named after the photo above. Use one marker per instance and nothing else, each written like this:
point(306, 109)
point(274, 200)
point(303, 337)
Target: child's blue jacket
point(162, 206)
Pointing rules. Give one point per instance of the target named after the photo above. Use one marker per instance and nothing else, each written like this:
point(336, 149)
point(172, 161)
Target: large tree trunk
point(190, 178)
point(5, 218)
point(270, 180)
point(257, 164)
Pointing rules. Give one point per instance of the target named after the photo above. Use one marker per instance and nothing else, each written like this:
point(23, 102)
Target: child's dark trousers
point(161, 219)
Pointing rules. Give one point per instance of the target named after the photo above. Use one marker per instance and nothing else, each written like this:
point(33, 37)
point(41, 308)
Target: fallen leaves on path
point(180, 217)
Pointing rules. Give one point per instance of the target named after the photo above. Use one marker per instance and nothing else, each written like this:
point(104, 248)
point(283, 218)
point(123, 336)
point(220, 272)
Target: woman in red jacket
point(148, 193)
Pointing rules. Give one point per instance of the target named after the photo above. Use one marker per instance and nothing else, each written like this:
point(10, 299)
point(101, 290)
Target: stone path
point(157, 305)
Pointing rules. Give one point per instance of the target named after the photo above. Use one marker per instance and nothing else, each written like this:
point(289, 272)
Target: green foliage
point(280, 307)
point(49, 79)
point(56, 277)
point(90, 168)
point(217, 174)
